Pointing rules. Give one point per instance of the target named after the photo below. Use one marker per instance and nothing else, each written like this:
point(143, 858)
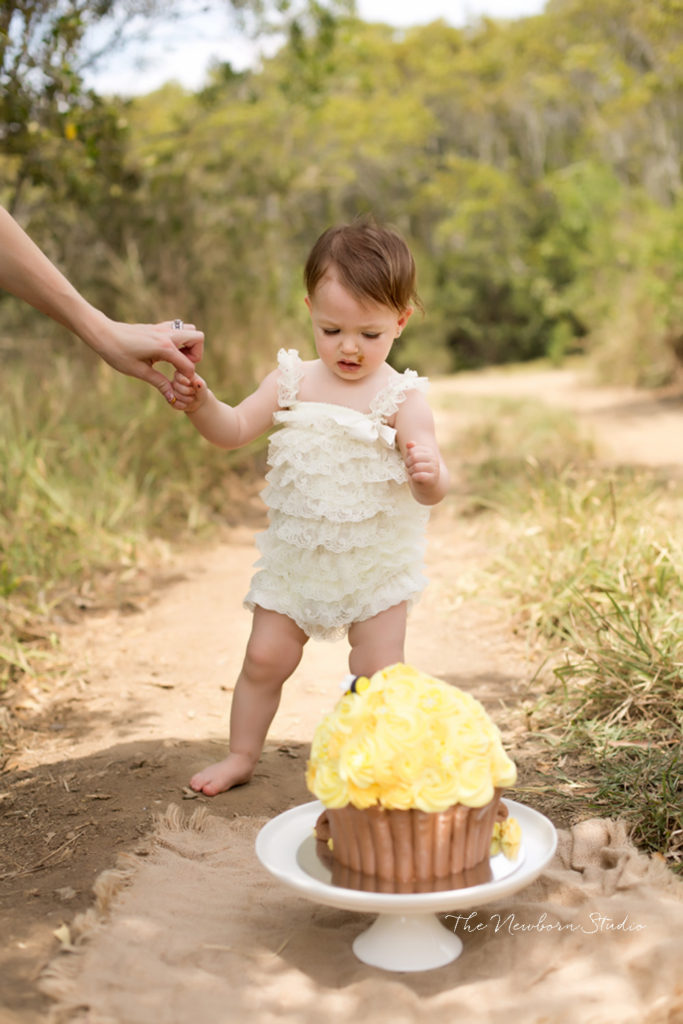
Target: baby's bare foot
point(234, 770)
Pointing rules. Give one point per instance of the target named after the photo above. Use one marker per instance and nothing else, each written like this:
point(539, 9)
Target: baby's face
point(352, 338)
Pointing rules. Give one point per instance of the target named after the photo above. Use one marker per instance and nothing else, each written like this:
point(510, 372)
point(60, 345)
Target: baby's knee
point(265, 659)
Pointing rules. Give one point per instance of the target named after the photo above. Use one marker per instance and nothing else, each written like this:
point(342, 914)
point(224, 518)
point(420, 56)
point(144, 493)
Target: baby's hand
point(189, 395)
point(422, 464)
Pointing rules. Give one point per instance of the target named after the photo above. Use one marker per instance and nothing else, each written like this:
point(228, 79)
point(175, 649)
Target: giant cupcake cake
point(410, 771)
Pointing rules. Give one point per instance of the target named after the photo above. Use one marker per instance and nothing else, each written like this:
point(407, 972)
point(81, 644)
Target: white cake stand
point(407, 935)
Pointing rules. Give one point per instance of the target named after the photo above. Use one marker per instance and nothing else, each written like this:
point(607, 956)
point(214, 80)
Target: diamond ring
point(178, 325)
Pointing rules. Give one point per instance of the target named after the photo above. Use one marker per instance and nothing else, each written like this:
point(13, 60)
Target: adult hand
point(26, 272)
point(133, 349)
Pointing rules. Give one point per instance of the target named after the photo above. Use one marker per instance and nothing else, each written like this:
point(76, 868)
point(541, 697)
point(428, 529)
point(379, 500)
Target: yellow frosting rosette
point(506, 838)
point(407, 740)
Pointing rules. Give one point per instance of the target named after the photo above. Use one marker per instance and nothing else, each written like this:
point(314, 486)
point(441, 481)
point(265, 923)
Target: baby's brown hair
point(372, 261)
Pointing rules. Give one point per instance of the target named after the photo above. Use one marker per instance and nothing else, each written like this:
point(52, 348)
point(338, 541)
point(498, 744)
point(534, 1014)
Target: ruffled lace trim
point(352, 568)
point(340, 461)
point(346, 538)
point(319, 416)
point(323, 619)
point(386, 402)
point(317, 502)
point(336, 537)
point(291, 372)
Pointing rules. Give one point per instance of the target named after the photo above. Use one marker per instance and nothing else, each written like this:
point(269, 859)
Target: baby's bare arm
point(416, 437)
point(224, 425)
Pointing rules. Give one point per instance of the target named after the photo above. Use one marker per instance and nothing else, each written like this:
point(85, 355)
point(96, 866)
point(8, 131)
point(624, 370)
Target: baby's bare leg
point(273, 652)
point(379, 641)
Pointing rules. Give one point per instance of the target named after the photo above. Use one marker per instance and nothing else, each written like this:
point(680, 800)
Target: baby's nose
point(349, 343)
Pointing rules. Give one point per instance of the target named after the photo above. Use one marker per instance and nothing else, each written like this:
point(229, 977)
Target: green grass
point(644, 786)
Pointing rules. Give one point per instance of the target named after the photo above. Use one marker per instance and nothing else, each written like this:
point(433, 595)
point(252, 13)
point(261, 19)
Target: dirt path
point(629, 427)
point(144, 697)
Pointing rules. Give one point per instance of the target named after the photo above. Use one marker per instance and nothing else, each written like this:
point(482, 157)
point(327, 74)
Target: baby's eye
point(330, 330)
point(367, 334)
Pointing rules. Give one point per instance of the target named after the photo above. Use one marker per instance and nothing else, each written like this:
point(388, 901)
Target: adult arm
point(26, 272)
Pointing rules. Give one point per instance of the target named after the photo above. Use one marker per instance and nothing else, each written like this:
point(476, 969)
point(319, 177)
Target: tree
point(53, 131)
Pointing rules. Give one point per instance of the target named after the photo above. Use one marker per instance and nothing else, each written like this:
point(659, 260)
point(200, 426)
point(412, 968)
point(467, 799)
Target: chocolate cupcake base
point(411, 847)
point(345, 878)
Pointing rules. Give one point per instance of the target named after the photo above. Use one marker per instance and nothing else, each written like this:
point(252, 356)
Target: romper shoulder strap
point(289, 376)
point(386, 402)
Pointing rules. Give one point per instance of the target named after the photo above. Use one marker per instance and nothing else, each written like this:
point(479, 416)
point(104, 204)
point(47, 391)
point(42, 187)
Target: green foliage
point(639, 339)
point(535, 167)
point(54, 132)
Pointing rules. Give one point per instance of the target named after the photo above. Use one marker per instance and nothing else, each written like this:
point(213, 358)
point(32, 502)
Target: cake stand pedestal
point(407, 942)
point(407, 935)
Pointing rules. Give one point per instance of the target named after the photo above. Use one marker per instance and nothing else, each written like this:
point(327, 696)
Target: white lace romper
point(346, 537)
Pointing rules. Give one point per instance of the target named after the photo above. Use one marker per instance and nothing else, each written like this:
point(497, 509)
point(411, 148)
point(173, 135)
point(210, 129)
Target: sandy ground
point(144, 697)
point(628, 426)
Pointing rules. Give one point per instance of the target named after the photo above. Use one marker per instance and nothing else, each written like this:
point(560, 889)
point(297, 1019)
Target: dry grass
point(97, 478)
point(593, 575)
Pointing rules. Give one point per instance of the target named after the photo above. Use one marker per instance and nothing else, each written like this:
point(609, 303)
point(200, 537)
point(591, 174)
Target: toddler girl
point(353, 466)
